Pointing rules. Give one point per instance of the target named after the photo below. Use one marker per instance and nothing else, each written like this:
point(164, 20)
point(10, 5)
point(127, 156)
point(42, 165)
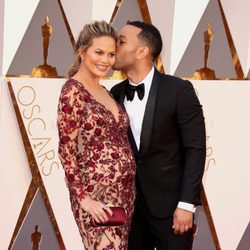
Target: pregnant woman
point(93, 144)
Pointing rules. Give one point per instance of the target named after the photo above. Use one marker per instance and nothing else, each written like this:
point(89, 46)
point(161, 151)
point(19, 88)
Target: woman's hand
point(96, 209)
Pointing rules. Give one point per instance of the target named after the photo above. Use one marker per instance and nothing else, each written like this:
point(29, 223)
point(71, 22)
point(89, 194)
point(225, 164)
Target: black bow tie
point(130, 91)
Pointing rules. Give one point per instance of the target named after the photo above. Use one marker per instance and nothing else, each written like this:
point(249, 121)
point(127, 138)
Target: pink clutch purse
point(118, 218)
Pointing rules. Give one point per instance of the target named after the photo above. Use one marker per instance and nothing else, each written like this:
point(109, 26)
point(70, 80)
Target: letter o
point(30, 99)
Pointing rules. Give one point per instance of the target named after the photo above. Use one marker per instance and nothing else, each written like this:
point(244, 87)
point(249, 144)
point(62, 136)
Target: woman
point(93, 147)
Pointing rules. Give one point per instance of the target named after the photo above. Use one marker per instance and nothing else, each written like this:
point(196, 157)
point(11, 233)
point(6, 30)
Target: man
point(167, 135)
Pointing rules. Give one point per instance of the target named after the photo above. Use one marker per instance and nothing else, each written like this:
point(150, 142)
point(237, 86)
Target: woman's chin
point(101, 72)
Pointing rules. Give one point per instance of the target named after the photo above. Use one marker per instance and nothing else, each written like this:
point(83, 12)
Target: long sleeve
point(192, 128)
point(70, 109)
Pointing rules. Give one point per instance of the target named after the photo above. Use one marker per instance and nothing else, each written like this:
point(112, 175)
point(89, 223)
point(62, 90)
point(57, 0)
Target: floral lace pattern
point(98, 161)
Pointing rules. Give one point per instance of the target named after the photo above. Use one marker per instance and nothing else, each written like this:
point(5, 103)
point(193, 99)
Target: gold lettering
point(32, 111)
point(209, 153)
point(47, 156)
point(50, 168)
point(31, 122)
point(208, 163)
point(29, 90)
point(41, 142)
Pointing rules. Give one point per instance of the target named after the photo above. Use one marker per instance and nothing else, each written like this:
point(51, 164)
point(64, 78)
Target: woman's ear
point(81, 53)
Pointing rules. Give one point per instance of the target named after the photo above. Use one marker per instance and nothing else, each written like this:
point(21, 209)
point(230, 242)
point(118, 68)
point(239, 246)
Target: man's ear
point(143, 51)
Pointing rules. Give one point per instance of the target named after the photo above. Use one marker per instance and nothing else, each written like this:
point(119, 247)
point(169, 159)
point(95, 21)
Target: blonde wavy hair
point(85, 38)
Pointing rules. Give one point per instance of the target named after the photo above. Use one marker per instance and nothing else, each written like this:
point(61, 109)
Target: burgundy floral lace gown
point(98, 161)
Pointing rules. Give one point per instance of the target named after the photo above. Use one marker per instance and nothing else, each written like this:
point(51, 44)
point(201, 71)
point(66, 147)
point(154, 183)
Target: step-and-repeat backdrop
point(34, 206)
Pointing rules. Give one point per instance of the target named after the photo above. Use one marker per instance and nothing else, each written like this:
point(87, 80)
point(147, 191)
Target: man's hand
point(182, 221)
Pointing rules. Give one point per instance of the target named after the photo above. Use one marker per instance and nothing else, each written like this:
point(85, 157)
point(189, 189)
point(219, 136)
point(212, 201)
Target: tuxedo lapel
point(122, 94)
point(148, 119)
point(130, 133)
point(132, 142)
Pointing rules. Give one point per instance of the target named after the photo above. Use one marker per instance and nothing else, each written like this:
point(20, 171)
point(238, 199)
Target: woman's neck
point(88, 79)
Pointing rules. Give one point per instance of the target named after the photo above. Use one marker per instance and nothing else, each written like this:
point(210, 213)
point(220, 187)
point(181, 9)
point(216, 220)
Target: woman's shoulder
point(71, 84)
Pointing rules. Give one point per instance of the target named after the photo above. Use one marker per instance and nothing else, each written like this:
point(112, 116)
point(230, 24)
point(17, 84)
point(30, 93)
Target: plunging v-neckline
point(101, 104)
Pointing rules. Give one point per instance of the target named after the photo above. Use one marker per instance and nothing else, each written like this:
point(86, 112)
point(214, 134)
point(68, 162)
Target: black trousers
point(148, 232)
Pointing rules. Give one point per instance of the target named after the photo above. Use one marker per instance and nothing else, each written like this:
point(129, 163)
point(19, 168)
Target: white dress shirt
point(136, 110)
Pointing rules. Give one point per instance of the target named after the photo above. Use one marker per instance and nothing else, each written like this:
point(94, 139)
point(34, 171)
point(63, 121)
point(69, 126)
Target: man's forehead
point(129, 30)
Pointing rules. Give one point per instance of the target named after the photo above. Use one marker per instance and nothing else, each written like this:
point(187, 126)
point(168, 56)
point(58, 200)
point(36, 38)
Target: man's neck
point(137, 74)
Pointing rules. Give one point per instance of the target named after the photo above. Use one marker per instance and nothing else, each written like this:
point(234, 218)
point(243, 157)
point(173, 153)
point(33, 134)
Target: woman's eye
point(99, 53)
point(111, 55)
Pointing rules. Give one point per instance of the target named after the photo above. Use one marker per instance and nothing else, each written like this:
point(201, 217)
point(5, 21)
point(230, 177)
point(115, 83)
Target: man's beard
point(117, 66)
point(122, 65)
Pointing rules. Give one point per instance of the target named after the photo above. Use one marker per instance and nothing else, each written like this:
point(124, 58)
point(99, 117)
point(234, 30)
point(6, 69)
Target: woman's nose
point(104, 58)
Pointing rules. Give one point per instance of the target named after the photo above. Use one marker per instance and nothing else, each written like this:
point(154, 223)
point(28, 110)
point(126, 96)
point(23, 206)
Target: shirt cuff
point(186, 206)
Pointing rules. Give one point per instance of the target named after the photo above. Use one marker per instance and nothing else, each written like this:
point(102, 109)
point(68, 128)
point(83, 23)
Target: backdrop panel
point(241, 36)
point(164, 22)
point(226, 180)
point(36, 229)
point(21, 12)
point(60, 51)
point(76, 21)
point(37, 100)
point(194, 53)
point(1, 33)
point(15, 173)
point(187, 15)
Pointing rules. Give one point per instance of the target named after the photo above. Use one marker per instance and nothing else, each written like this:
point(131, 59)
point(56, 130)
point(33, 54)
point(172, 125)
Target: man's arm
point(192, 128)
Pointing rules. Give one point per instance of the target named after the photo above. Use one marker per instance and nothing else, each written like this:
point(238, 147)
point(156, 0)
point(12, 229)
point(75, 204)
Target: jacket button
point(139, 162)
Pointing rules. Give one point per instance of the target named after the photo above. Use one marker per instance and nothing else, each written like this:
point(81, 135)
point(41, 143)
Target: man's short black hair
point(151, 35)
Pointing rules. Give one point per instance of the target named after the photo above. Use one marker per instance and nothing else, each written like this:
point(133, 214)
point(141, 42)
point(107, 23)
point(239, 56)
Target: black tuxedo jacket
point(171, 158)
